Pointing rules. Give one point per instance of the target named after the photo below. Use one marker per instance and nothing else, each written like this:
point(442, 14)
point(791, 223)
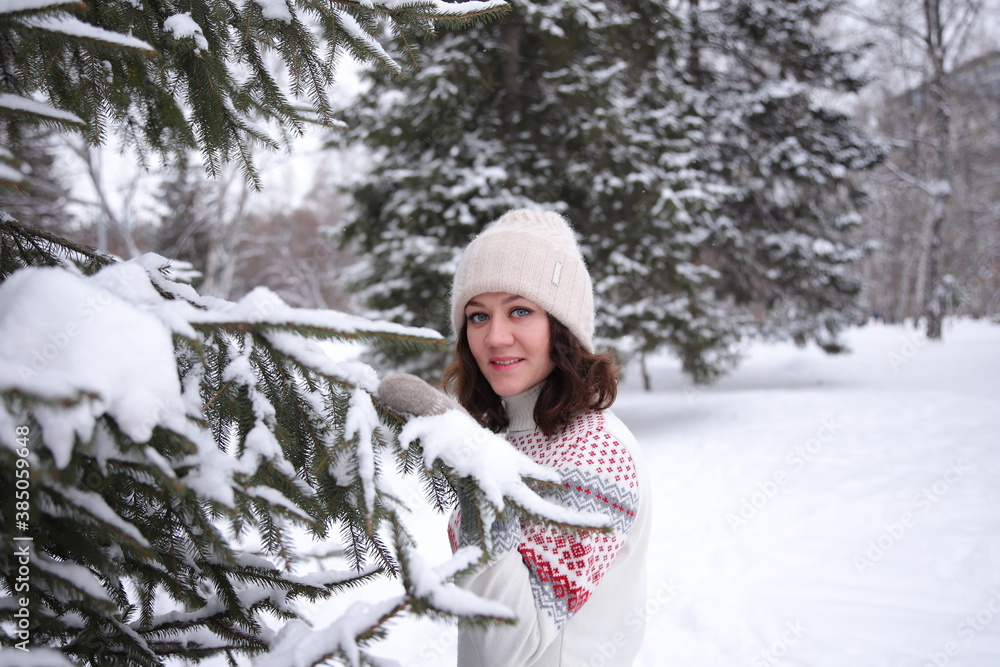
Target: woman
point(523, 317)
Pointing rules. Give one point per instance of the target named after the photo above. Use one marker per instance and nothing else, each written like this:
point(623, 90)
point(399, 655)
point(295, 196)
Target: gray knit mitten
point(408, 393)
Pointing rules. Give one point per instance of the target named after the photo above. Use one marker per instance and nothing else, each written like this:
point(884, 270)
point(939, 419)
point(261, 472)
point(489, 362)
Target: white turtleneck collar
point(521, 410)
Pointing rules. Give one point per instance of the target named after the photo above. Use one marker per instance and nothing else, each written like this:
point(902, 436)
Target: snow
point(362, 422)
point(67, 25)
point(72, 577)
point(441, 8)
point(94, 505)
point(262, 306)
point(863, 488)
point(275, 498)
point(298, 645)
point(309, 353)
point(349, 25)
point(9, 174)
point(86, 345)
point(428, 583)
point(182, 26)
point(276, 10)
point(34, 657)
point(15, 6)
point(30, 106)
point(455, 439)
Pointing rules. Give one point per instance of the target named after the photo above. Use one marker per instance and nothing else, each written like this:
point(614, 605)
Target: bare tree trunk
point(697, 37)
point(224, 238)
point(935, 299)
point(937, 56)
point(511, 74)
point(107, 218)
point(647, 381)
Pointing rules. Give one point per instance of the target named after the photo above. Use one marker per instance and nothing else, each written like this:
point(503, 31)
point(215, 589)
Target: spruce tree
point(185, 216)
point(42, 195)
point(172, 76)
point(161, 450)
point(786, 238)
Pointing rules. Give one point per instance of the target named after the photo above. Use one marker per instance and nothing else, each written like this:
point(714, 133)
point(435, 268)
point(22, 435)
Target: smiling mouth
point(506, 362)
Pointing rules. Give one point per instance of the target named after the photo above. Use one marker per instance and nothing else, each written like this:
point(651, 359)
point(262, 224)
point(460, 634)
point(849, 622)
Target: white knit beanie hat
point(532, 254)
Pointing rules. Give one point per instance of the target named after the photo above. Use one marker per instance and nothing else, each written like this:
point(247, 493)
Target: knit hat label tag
point(556, 273)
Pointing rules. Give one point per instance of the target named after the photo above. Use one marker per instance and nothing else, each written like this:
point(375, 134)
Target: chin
point(506, 391)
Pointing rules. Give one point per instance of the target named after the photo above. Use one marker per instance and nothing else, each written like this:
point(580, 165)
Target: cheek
point(476, 346)
point(543, 341)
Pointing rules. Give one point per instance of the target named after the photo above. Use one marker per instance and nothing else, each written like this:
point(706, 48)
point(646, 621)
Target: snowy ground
point(815, 510)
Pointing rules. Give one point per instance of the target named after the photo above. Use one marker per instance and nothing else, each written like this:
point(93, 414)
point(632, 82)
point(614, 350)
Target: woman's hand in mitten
point(408, 393)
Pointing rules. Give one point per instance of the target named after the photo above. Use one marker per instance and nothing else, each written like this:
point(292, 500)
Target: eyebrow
point(510, 299)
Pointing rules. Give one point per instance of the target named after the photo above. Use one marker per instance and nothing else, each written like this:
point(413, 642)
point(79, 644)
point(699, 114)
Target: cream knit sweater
point(580, 597)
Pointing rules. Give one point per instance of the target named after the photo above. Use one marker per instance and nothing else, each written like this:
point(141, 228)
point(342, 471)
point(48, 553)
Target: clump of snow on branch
point(298, 645)
point(362, 422)
point(434, 584)
point(182, 26)
point(498, 469)
point(275, 10)
point(91, 349)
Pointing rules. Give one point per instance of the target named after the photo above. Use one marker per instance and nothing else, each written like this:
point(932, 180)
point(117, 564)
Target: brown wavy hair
point(581, 381)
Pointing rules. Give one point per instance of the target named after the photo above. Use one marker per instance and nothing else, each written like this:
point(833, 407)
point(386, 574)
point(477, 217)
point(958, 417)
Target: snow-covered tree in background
point(686, 148)
point(41, 196)
point(786, 239)
point(162, 451)
point(564, 106)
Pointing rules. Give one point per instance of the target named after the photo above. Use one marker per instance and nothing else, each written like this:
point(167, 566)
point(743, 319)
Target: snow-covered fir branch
point(178, 447)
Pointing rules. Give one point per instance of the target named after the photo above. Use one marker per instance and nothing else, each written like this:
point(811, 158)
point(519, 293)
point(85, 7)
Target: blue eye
point(521, 312)
point(476, 318)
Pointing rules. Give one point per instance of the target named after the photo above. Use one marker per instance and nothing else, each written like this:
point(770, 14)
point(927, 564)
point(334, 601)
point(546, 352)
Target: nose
point(499, 333)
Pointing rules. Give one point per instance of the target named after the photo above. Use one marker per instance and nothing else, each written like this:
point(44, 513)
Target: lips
point(504, 363)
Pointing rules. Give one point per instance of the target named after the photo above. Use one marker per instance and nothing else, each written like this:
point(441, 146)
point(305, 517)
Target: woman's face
point(509, 338)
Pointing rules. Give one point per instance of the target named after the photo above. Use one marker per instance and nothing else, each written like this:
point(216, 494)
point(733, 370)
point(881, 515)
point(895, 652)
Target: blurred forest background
point(785, 169)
